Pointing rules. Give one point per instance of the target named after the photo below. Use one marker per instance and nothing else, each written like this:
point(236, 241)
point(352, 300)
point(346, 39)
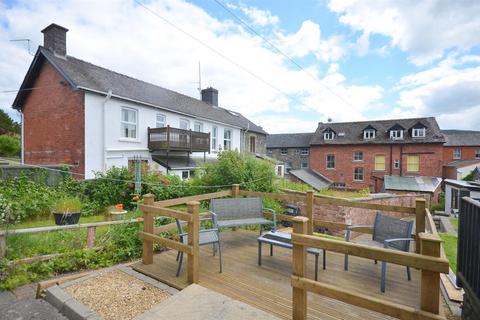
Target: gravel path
point(22, 305)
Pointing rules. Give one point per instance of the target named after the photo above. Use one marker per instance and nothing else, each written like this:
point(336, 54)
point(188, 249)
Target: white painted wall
point(119, 149)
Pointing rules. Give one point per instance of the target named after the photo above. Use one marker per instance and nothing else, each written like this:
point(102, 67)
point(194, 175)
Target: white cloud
point(450, 91)
point(260, 17)
point(424, 29)
point(128, 39)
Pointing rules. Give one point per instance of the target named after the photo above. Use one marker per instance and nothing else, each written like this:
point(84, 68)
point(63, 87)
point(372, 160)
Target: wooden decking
point(268, 287)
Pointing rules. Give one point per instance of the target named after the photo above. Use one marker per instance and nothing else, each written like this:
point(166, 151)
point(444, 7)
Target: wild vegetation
point(299, 186)
point(9, 136)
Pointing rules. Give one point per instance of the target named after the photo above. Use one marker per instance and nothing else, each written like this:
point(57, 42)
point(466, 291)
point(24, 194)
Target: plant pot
point(63, 219)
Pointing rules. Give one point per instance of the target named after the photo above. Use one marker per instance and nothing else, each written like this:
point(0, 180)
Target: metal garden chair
point(207, 236)
point(389, 233)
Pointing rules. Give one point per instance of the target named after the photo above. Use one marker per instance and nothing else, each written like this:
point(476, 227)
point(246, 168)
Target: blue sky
point(365, 59)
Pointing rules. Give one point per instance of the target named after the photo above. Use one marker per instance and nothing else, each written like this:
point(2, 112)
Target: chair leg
point(220, 256)
point(271, 250)
point(178, 256)
point(214, 245)
point(261, 226)
point(409, 276)
point(376, 261)
point(384, 273)
point(324, 259)
point(179, 264)
point(316, 267)
point(345, 264)
point(259, 253)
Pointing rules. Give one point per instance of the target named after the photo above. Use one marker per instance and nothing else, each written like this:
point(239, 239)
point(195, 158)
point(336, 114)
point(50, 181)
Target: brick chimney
point(55, 39)
point(210, 96)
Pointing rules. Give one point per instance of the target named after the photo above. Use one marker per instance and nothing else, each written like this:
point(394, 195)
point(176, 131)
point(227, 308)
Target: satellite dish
point(329, 120)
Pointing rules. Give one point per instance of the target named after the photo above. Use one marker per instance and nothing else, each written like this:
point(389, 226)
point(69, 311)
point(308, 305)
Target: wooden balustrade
point(429, 262)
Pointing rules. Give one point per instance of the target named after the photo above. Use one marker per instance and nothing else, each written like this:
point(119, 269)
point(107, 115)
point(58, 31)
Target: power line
point(284, 54)
point(219, 53)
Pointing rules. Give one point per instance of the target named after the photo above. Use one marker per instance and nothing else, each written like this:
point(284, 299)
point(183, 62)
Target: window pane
point(184, 124)
point(160, 121)
point(214, 132)
point(380, 163)
point(413, 163)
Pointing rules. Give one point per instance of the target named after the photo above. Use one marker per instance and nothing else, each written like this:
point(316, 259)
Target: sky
point(286, 65)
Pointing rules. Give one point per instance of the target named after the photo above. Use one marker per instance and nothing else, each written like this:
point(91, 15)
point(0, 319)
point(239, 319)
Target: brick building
point(461, 145)
point(359, 154)
point(290, 149)
point(93, 118)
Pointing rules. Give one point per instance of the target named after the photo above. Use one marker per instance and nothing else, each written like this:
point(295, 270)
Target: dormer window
point(368, 134)
point(328, 134)
point(418, 132)
point(396, 134)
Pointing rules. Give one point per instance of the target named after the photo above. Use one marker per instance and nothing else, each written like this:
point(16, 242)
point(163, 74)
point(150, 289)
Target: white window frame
point(123, 122)
point(355, 174)
point(396, 164)
point(328, 135)
point(304, 152)
point(302, 165)
point(418, 132)
point(396, 134)
point(198, 123)
point(214, 137)
point(185, 121)
point(368, 134)
point(457, 154)
point(283, 153)
point(227, 141)
point(334, 162)
point(163, 122)
point(355, 156)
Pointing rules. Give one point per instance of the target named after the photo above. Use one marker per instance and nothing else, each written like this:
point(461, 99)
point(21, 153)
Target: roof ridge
point(380, 120)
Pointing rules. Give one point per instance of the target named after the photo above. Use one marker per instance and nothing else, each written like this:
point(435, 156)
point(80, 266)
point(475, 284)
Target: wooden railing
point(174, 139)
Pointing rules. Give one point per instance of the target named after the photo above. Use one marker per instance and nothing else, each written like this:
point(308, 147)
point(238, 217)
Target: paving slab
point(198, 303)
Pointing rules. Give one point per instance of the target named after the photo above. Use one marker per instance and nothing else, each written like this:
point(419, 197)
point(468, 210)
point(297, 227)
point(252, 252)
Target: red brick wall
point(468, 153)
point(430, 156)
point(54, 130)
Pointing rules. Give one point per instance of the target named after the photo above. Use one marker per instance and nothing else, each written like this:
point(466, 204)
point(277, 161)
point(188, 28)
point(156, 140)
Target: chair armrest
point(200, 231)
point(274, 214)
point(352, 228)
point(386, 243)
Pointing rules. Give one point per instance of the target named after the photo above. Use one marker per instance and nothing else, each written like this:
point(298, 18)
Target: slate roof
point(457, 138)
point(312, 178)
point(417, 184)
point(87, 76)
point(289, 140)
point(353, 132)
point(462, 163)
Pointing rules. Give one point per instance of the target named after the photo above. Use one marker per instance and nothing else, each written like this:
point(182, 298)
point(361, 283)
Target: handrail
point(200, 197)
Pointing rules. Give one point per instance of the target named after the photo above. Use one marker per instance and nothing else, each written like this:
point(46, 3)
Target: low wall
point(358, 216)
point(51, 177)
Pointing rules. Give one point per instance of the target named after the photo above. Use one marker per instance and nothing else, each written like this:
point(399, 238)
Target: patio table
point(284, 240)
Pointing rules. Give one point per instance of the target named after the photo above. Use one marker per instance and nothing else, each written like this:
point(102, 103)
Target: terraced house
point(359, 154)
point(93, 118)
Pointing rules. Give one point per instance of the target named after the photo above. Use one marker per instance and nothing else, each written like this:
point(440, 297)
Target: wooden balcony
point(174, 139)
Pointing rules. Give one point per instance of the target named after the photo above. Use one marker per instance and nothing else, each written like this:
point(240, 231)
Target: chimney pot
point(55, 39)
point(210, 96)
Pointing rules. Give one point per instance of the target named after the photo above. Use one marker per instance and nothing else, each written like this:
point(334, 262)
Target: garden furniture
point(284, 240)
point(389, 233)
point(238, 212)
point(207, 236)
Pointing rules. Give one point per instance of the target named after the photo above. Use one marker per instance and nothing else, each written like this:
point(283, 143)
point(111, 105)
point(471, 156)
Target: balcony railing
point(174, 139)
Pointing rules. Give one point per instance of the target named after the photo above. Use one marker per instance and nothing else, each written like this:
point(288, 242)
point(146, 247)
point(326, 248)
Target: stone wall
point(293, 156)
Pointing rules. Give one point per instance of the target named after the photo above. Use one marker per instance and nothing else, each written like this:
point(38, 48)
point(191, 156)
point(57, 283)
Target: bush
point(234, 167)
point(9, 146)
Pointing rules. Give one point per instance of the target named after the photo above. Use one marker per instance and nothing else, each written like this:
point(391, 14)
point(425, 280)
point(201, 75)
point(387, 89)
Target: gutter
point(22, 138)
point(104, 131)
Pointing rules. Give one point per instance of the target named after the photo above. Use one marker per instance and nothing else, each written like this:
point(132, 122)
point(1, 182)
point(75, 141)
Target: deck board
point(268, 287)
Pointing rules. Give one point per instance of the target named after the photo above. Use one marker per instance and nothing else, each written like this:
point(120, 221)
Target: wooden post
point(147, 257)
point(3, 245)
point(193, 240)
point(309, 200)
point(91, 232)
point(419, 221)
point(430, 281)
point(299, 256)
point(235, 190)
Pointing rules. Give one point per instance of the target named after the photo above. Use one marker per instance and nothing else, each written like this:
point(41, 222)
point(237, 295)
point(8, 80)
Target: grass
point(450, 246)
point(51, 222)
point(454, 222)
point(298, 186)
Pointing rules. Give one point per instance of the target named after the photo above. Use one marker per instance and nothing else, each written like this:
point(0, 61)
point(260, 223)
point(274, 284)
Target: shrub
point(233, 167)
point(9, 146)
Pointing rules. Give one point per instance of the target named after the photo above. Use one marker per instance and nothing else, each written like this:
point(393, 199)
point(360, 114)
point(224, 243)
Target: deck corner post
point(309, 198)
point(3, 245)
point(91, 234)
point(299, 256)
point(193, 260)
point(147, 256)
point(235, 190)
point(420, 205)
point(430, 280)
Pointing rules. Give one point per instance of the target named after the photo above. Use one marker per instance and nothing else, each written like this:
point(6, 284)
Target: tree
point(7, 124)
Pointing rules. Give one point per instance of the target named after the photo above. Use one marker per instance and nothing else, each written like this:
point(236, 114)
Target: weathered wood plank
point(299, 268)
point(276, 196)
point(172, 244)
point(165, 212)
point(200, 197)
point(430, 245)
point(165, 228)
point(193, 259)
point(363, 205)
point(398, 257)
point(148, 221)
point(362, 300)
